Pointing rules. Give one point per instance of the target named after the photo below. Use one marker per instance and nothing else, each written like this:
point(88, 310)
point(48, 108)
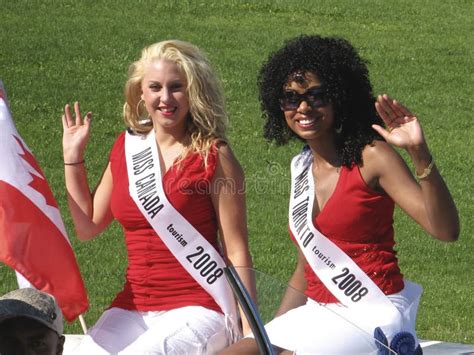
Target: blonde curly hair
point(209, 119)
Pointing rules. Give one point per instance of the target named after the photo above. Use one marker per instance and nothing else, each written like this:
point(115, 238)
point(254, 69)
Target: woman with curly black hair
point(345, 184)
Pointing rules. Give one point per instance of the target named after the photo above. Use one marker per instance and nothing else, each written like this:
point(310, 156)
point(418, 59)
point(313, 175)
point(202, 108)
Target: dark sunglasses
point(314, 97)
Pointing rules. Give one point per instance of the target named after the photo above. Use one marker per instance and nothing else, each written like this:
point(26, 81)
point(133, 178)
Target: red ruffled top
point(359, 221)
point(155, 280)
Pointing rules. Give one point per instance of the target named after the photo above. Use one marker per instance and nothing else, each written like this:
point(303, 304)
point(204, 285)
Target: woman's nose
point(165, 95)
point(303, 107)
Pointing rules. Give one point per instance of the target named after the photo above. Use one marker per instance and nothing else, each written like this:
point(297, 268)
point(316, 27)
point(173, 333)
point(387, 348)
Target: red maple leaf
point(38, 183)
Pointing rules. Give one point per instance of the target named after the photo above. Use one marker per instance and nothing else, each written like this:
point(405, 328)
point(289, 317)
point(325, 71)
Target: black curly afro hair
point(345, 79)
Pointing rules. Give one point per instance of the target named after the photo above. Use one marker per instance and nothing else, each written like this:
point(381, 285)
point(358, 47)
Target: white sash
point(338, 272)
point(188, 246)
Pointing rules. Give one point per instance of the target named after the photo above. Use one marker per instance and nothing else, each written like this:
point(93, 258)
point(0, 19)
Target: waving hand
point(75, 133)
point(402, 127)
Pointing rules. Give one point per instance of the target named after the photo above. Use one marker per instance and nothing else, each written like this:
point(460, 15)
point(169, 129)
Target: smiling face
point(309, 120)
point(164, 92)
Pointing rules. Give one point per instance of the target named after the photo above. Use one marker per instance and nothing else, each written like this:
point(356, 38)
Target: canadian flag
point(33, 240)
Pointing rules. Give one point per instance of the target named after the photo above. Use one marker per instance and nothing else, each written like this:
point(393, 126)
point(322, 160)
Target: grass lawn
point(421, 52)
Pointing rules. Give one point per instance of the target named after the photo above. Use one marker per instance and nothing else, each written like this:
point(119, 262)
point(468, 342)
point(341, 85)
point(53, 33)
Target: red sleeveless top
point(155, 280)
point(359, 221)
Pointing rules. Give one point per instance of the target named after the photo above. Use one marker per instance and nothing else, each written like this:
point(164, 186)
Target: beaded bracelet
point(427, 170)
point(75, 163)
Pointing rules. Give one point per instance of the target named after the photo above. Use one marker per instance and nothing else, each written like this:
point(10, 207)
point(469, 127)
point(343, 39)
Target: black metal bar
point(250, 310)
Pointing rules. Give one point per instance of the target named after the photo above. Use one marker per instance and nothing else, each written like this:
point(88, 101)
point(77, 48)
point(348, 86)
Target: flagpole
point(83, 323)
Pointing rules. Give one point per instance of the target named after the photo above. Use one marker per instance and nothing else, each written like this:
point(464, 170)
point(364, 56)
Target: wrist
point(426, 171)
point(419, 154)
point(422, 160)
point(77, 162)
point(73, 156)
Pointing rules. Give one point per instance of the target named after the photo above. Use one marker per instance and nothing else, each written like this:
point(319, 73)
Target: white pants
point(334, 329)
point(186, 330)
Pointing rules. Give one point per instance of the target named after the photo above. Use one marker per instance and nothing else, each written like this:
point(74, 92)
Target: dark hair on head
point(345, 79)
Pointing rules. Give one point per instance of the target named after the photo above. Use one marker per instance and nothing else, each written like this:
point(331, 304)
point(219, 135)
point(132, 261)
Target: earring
point(142, 119)
point(338, 129)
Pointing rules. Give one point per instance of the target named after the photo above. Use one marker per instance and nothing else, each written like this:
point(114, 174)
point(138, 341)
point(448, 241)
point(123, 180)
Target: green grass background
point(421, 52)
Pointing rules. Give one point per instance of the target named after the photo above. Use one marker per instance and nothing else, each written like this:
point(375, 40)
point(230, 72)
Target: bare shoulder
point(223, 148)
point(379, 152)
point(379, 158)
point(227, 163)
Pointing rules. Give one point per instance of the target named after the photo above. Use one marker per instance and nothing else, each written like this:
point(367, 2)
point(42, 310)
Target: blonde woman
point(176, 188)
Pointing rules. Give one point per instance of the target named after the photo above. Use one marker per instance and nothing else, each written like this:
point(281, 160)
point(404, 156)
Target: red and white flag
point(33, 239)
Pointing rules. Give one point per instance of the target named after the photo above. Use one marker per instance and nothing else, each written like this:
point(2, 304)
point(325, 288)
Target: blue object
point(403, 343)
point(381, 340)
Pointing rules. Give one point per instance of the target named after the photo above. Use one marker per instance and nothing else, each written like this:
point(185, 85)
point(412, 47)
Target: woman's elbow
point(83, 237)
point(85, 234)
point(450, 234)
point(454, 235)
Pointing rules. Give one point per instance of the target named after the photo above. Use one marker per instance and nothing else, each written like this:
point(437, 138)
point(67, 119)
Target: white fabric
point(22, 281)
point(72, 343)
point(335, 329)
point(339, 273)
point(197, 256)
point(187, 330)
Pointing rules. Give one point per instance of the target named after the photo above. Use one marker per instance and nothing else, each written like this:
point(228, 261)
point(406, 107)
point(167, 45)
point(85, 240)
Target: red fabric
point(32, 234)
point(360, 222)
point(155, 280)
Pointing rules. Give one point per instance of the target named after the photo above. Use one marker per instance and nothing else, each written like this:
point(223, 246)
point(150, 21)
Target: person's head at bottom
point(30, 323)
